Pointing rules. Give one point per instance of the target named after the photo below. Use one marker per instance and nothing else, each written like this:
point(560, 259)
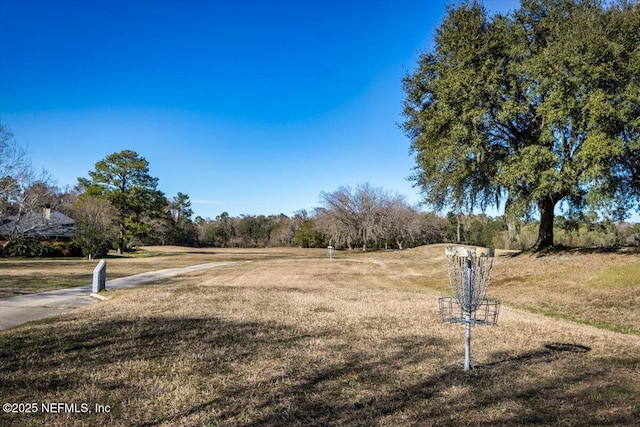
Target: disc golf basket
point(469, 271)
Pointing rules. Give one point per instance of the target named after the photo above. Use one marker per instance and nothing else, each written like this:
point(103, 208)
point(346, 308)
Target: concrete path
point(25, 308)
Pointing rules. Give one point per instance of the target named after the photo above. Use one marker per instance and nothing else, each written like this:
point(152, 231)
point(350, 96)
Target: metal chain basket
point(486, 314)
point(469, 271)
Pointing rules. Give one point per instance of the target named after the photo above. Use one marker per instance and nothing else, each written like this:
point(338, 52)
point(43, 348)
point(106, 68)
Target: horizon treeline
point(307, 230)
point(118, 206)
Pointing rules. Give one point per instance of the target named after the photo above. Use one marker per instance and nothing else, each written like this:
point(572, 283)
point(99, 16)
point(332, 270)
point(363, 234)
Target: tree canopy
point(531, 109)
point(123, 179)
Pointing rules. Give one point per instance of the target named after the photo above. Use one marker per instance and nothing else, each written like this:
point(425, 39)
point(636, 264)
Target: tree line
point(365, 217)
point(316, 230)
point(118, 206)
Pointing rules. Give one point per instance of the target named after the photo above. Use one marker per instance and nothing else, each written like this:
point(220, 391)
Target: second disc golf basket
point(469, 271)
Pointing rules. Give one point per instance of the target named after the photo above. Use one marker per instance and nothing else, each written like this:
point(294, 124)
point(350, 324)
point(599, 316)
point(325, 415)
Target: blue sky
point(249, 107)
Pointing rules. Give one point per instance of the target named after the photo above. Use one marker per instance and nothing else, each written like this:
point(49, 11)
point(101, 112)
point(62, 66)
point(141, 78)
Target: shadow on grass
point(398, 382)
point(433, 399)
point(550, 352)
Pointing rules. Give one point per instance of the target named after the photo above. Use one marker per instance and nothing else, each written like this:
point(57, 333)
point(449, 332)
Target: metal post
point(468, 302)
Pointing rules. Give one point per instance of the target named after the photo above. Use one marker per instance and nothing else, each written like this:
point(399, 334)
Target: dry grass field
point(293, 339)
point(28, 276)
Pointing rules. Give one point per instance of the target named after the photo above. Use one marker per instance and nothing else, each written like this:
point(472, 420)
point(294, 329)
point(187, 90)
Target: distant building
point(45, 226)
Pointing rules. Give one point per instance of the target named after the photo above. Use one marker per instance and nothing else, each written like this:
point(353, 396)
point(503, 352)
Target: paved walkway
point(25, 308)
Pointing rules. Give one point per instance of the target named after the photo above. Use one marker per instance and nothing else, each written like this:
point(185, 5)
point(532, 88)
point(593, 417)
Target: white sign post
point(100, 277)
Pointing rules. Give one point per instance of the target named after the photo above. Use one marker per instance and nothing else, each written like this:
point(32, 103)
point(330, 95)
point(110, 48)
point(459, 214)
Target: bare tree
point(364, 216)
point(341, 216)
point(95, 221)
point(402, 223)
point(14, 165)
point(36, 192)
point(335, 232)
point(22, 189)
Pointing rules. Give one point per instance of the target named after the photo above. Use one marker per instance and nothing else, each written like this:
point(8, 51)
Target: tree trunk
point(545, 232)
point(121, 239)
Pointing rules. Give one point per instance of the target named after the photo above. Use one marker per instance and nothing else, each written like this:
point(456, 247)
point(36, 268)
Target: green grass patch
point(556, 314)
point(617, 277)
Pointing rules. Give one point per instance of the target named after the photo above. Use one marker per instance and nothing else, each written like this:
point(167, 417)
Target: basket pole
point(467, 345)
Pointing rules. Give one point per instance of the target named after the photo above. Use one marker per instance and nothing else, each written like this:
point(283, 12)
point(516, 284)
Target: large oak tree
point(533, 109)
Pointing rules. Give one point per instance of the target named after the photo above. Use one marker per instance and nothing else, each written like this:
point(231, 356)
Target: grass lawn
point(28, 276)
point(293, 339)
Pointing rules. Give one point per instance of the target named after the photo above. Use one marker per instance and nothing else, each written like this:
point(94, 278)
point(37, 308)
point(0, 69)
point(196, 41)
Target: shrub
point(65, 249)
point(26, 247)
